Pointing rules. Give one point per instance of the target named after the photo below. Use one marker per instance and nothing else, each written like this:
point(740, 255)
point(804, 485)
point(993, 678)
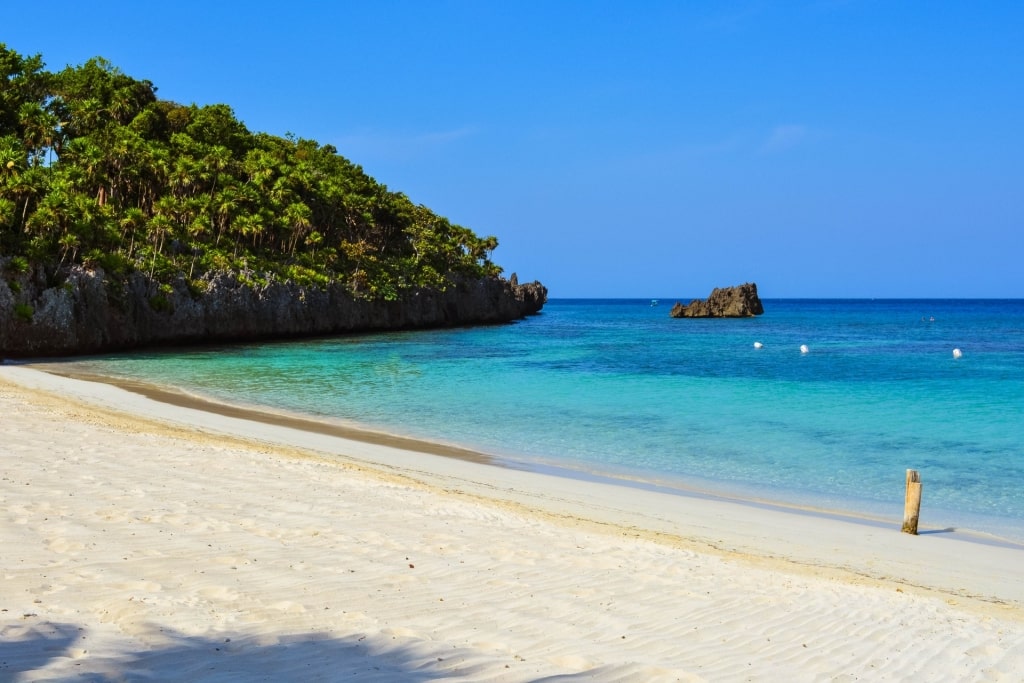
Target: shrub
point(197, 287)
point(18, 264)
point(24, 312)
point(161, 301)
point(113, 263)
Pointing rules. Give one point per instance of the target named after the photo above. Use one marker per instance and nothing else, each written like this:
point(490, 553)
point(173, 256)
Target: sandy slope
point(142, 541)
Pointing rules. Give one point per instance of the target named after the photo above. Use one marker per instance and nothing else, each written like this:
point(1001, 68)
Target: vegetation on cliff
point(96, 170)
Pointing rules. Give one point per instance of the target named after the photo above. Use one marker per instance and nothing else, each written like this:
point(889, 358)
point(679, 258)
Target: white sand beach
point(141, 540)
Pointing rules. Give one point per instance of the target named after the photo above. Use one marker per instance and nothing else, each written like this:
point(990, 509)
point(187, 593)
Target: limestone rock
point(725, 302)
point(83, 311)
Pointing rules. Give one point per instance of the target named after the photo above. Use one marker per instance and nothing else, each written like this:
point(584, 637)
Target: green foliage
point(307, 277)
point(196, 288)
point(18, 265)
point(94, 169)
point(161, 301)
point(24, 312)
point(113, 263)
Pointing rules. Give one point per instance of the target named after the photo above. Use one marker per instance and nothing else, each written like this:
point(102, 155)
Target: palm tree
point(69, 245)
point(223, 207)
point(40, 130)
point(157, 230)
point(297, 219)
point(131, 222)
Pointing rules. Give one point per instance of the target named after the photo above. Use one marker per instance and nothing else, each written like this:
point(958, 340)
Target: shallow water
point(618, 387)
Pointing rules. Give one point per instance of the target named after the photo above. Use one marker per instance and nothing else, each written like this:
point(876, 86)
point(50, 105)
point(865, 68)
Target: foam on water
point(619, 387)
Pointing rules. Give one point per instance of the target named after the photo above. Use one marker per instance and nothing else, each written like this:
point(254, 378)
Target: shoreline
point(760, 530)
point(181, 399)
point(277, 418)
point(148, 540)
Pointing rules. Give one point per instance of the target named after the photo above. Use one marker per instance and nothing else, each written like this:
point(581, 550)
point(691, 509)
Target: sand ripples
point(149, 555)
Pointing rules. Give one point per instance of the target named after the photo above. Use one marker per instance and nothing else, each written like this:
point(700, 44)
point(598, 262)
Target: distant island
point(740, 301)
point(127, 220)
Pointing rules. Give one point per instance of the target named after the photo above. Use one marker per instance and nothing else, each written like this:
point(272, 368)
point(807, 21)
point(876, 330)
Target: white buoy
point(957, 353)
point(803, 348)
point(758, 345)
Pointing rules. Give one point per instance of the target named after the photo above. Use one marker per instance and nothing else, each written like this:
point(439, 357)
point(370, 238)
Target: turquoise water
point(617, 387)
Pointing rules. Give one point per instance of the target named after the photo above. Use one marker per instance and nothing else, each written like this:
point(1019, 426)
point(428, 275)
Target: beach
point(148, 540)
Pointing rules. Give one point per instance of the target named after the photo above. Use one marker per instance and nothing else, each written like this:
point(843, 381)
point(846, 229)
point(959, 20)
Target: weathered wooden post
point(912, 504)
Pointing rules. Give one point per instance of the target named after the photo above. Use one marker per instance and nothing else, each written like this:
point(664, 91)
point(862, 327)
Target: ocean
point(618, 389)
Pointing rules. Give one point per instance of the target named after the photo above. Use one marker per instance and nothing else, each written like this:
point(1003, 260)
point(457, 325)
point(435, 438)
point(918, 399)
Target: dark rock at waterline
point(83, 311)
point(725, 302)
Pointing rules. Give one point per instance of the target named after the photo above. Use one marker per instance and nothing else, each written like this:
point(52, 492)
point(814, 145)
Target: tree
point(95, 168)
point(22, 80)
point(40, 131)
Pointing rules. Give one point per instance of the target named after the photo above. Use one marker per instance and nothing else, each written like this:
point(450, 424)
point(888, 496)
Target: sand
point(141, 540)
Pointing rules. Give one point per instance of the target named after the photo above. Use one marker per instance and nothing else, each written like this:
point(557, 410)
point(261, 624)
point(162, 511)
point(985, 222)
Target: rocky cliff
point(725, 302)
point(83, 311)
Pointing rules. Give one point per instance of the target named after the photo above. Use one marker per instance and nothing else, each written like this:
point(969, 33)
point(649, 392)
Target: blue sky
point(633, 149)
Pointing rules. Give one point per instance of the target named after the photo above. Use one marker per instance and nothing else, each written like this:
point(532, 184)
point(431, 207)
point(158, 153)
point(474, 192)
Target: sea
point(817, 404)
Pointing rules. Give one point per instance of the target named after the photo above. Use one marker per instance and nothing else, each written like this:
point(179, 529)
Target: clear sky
point(825, 148)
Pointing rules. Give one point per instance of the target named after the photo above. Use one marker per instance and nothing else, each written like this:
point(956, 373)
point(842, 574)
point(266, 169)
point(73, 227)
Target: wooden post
point(912, 504)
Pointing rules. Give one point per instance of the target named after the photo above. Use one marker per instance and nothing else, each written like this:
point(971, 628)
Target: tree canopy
point(95, 169)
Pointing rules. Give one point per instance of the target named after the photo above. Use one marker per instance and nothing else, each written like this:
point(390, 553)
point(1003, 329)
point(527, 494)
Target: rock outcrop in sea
point(86, 312)
point(740, 301)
